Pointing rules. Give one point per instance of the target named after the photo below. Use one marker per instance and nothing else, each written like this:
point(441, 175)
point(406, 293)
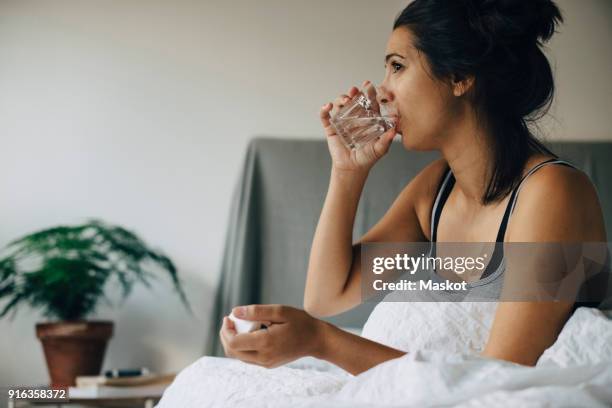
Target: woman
point(463, 77)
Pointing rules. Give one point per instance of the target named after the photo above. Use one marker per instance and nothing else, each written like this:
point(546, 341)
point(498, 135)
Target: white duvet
point(442, 368)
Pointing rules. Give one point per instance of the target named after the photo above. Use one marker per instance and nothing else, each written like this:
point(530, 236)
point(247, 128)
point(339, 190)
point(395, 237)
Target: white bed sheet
point(575, 371)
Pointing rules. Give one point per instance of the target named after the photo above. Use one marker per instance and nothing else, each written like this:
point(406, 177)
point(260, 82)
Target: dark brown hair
point(498, 43)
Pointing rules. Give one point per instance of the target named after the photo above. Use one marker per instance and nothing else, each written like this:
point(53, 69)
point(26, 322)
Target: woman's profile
point(466, 78)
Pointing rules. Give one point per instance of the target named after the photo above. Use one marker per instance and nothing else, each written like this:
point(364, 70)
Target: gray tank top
point(488, 288)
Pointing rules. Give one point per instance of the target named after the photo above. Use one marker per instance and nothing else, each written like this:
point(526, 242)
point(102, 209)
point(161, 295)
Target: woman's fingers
point(340, 101)
point(370, 91)
point(228, 325)
point(253, 341)
point(250, 356)
point(226, 333)
point(329, 110)
point(381, 146)
point(330, 131)
point(268, 312)
point(243, 341)
point(343, 99)
point(233, 344)
point(324, 114)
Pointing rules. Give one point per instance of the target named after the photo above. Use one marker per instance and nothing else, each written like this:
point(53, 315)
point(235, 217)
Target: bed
point(272, 220)
point(575, 372)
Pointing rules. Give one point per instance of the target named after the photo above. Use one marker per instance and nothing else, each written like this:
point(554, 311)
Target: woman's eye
point(395, 67)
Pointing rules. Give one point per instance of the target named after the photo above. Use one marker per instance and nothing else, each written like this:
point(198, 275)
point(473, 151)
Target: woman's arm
point(331, 254)
point(353, 353)
point(294, 334)
point(557, 204)
point(333, 283)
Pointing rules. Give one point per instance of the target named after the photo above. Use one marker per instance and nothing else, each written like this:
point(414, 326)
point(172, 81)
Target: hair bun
point(515, 21)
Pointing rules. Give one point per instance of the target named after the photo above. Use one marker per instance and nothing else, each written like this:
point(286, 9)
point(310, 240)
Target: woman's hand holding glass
point(343, 157)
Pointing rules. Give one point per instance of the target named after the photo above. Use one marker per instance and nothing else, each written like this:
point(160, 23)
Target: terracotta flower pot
point(73, 348)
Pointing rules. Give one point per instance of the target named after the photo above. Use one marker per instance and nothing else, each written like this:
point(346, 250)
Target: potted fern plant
point(64, 272)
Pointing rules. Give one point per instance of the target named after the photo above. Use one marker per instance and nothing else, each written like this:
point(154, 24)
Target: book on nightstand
point(100, 386)
point(130, 381)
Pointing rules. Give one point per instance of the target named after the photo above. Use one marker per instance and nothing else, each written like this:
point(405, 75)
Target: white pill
point(245, 326)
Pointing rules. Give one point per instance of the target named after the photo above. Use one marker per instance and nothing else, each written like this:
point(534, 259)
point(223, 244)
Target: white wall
point(139, 112)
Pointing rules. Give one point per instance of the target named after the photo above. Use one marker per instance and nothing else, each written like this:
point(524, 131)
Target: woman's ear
point(462, 84)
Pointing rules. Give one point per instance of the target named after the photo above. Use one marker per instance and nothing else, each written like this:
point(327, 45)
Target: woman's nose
point(383, 95)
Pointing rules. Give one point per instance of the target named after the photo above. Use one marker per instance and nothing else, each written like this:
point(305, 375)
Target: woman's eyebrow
point(393, 54)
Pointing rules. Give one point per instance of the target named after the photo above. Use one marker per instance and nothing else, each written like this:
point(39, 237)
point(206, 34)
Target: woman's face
point(426, 107)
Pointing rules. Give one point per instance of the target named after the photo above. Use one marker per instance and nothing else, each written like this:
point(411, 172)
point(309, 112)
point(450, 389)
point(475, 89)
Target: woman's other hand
point(292, 334)
point(344, 158)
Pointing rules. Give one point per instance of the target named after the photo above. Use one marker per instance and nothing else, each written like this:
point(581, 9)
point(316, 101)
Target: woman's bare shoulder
point(557, 203)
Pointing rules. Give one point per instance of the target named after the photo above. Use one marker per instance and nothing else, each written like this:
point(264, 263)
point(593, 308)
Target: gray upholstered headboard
point(278, 200)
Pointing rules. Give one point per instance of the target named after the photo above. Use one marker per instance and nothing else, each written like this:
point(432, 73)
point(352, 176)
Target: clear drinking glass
point(362, 119)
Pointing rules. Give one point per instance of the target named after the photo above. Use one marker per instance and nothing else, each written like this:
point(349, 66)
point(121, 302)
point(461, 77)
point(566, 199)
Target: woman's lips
point(391, 113)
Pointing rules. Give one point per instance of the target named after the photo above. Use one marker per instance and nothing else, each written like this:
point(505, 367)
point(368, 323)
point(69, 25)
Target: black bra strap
point(513, 197)
point(441, 199)
point(498, 253)
point(501, 233)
